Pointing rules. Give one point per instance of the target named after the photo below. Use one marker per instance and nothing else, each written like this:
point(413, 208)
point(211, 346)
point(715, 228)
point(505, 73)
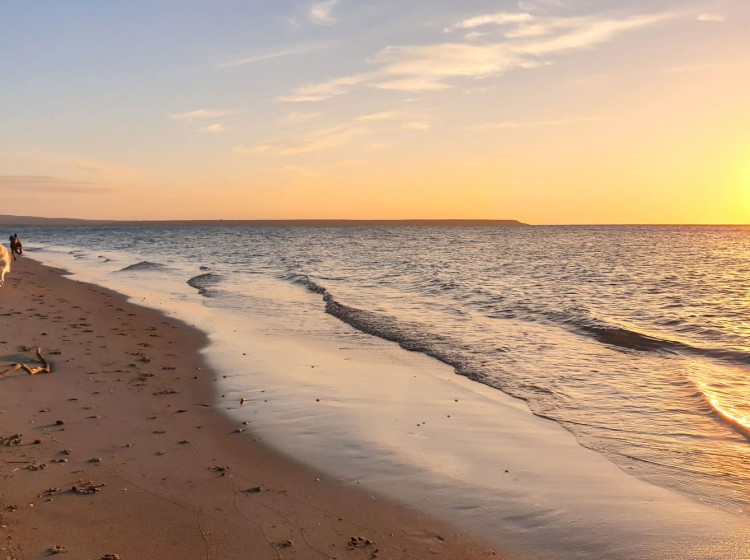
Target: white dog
point(5, 259)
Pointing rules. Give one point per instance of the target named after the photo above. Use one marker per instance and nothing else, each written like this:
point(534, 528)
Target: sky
point(544, 111)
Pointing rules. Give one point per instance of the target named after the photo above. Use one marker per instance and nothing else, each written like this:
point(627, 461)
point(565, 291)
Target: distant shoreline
point(37, 221)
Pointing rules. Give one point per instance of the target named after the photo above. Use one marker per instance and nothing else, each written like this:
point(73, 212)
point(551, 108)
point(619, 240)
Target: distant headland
point(8, 220)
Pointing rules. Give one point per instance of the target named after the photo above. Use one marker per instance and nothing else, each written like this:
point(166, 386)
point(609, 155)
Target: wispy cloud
point(408, 121)
point(314, 141)
point(321, 12)
point(326, 90)
point(281, 53)
point(582, 33)
point(516, 41)
point(42, 183)
point(110, 171)
point(712, 18)
point(214, 129)
point(307, 170)
point(511, 125)
point(199, 114)
point(501, 18)
point(428, 67)
point(382, 116)
point(338, 135)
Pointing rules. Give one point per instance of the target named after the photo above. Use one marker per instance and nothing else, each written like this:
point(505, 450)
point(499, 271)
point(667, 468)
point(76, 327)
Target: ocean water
point(634, 339)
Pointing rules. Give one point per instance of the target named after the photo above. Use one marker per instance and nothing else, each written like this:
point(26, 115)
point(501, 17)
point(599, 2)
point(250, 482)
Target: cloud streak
point(214, 129)
point(46, 184)
point(510, 125)
point(199, 114)
point(502, 18)
point(711, 18)
point(326, 90)
point(281, 53)
point(99, 168)
point(339, 135)
point(511, 41)
point(324, 139)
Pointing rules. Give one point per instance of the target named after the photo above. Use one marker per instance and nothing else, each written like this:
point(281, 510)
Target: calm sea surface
point(635, 339)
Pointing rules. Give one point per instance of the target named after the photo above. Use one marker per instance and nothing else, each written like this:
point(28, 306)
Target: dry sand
point(121, 450)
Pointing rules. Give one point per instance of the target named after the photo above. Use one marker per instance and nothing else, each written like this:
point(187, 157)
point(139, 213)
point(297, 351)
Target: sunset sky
point(545, 111)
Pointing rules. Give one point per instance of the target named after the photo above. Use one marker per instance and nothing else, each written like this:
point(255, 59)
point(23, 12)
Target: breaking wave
point(204, 282)
point(144, 266)
point(410, 336)
point(620, 336)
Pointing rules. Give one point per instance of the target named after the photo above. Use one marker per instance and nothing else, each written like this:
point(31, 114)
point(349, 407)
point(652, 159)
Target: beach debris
point(361, 542)
point(34, 467)
point(110, 557)
point(166, 392)
point(284, 544)
point(183, 441)
point(86, 488)
point(57, 549)
point(46, 367)
point(15, 439)
point(218, 469)
point(95, 460)
point(11, 508)
point(59, 422)
point(253, 490)
point(243, 400)
point(49, 492)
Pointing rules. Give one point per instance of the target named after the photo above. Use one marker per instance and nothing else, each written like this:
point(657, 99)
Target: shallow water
point(632, 338)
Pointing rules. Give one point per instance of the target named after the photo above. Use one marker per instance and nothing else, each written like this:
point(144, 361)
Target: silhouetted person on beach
point(15, 246)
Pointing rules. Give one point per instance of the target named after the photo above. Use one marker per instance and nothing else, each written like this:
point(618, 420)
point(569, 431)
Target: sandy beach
point(122, 452)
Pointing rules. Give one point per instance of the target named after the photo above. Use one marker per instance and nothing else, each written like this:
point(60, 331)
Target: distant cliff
point(36, 221)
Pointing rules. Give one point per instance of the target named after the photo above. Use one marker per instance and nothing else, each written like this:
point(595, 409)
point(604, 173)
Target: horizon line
point(19, 220)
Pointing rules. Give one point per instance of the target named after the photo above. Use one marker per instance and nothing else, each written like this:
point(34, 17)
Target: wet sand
point(121, 450)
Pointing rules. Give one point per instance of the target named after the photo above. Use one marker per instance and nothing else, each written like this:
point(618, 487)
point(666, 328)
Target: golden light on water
point(729, 413)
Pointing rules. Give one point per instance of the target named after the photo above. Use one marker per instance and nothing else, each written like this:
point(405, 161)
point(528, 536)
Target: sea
point(632, 342)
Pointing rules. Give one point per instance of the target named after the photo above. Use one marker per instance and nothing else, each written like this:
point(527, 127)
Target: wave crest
point(204, 282)
point(144, 266)
point(410, 336)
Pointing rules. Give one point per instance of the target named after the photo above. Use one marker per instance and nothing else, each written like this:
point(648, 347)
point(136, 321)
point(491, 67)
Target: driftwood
point(45, 368)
